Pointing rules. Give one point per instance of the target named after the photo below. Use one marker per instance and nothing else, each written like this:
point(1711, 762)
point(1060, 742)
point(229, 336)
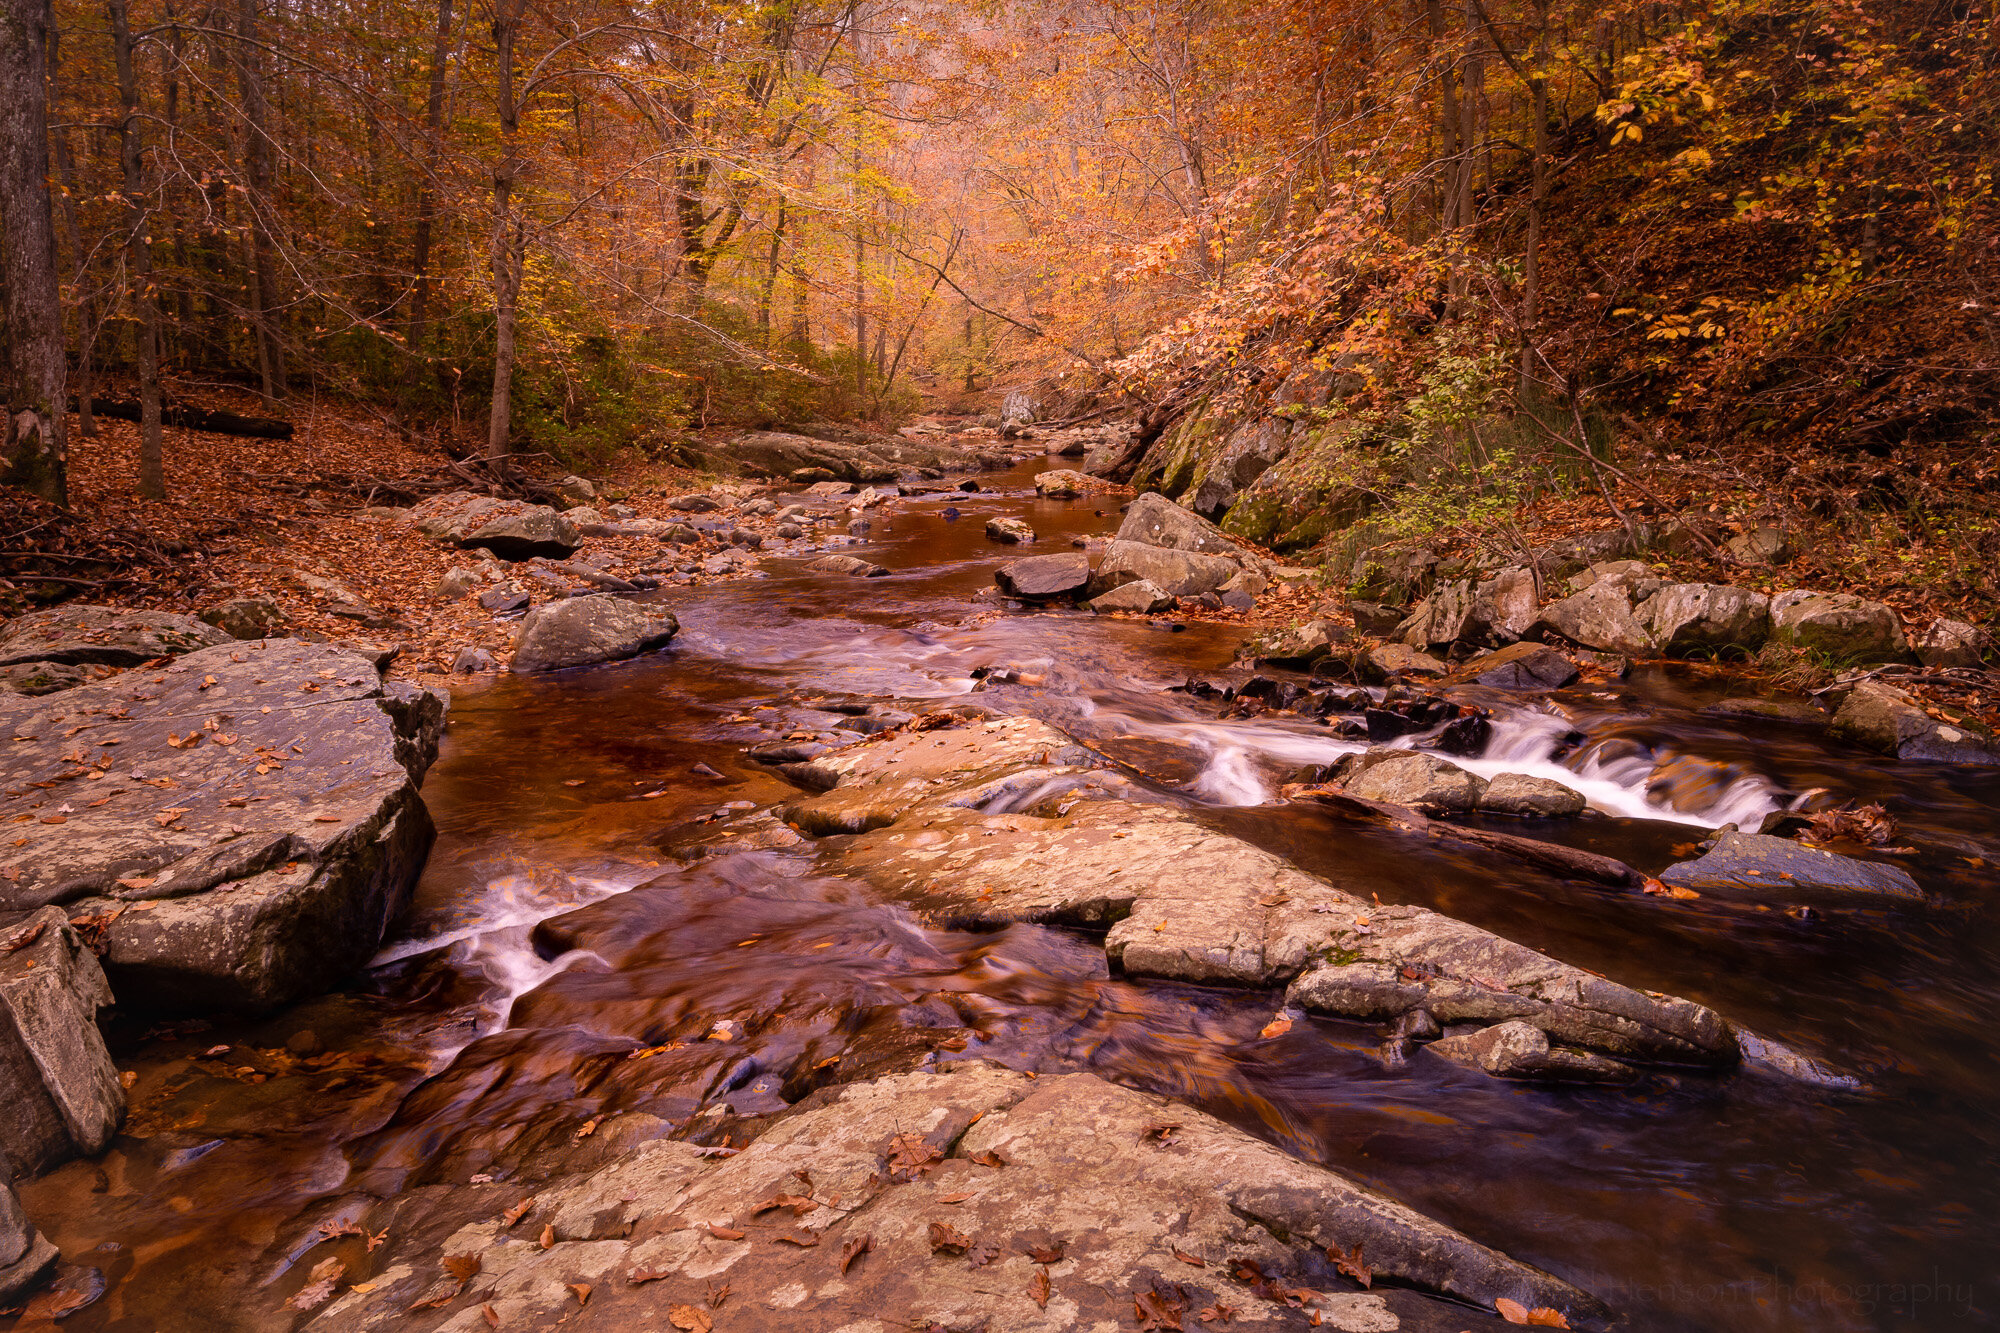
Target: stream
point(553, 936)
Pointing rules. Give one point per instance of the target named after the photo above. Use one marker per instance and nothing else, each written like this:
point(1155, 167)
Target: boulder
point(456, 583)
point(1420, 781)
point(934, 1195)
point(1839, 625)
point(1299, 645)
point(1886, 719)
point(1014, 531)
point(583, 631)
point(1503, 607)
point(576, 492)
point(1175, 572)
point(1530, 797)
point(472, 661)
point(25, 1254)
point(1522, 666)
point(1061, 484)
point(107, 635)
point(588, 521)
point(1240, 593)
point(505, 599)
point(1374, 618)
point(1761, 546)
point(1140, 598)
point(1797, 711)
point(1440, 619)
point(1399, 659)
point(38, 678)
point(248, 618)
point(1778, 869)
point(1154, 520)
point(1599, 617)
point(1623, 573)
point(1115, 455)
point(251, 836)
point(1706, 617)
point(1044, 576)
point(698, 503)
point(847, 564)
point(59, 1092)
point(511, 529)
point(1522, 1050)
point(1250, 450)
point(1951, 643)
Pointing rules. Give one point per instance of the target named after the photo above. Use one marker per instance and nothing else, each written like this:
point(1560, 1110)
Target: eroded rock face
point(1108, 1183)
point(1503, 607)
point(511, 529)
point(1840, 625)
point(59, 1092)
point(106, 635)
point(1778, 869)
point(1175, 572)
point(1186, 903)
point(1684, 617)
point(580, 631)
point(232, 856)
point(1043, 576)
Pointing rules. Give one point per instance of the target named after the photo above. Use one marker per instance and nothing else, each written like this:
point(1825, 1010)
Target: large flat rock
point(973, 1198)
point(239, 826)
point(1186, 903)
point(1777, 869)
point(109, 635)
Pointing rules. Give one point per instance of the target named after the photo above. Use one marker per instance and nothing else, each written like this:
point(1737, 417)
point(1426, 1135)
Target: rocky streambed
point(879, 956)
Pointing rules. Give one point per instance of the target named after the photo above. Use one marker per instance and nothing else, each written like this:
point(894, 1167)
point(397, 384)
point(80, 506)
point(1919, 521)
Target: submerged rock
point(847, 564)
point(1011, 530)
point(252, 834)
point(977, 1197)
point(581, 631)
point(106, 635)
point(25, 1254)
point(1532, 797)
point(59, 1092)
point(1778, 868)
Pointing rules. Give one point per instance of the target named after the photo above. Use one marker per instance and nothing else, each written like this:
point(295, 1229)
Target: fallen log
point(181, 417)
point(1550, 856)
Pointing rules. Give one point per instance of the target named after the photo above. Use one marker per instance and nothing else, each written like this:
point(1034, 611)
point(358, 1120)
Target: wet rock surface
point(583, 631)
point(978, 1197)
point(1043, 576)
point(59, 1094)
point(25, 1254)
point(1779, 869)
point(1521, 1050)
point(240, 826)
point(1881, 717)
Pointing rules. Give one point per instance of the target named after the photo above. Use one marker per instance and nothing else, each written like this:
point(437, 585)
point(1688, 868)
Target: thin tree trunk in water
point(420, 246)
point(139, 256)
point(257, 163)
point(508, 237)
point(33, 451)
point(86, 334)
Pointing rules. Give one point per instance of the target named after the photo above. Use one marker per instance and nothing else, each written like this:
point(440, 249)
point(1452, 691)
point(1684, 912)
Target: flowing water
point(559, 970)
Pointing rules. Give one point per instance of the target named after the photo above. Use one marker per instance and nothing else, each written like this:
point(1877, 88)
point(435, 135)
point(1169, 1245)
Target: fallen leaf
point(312, 1295)
point(1039, 1289)
point(1277, 1027)
point(490, 1315)
point(1545, 1317)
point(517, 1212)
point(1187, 1258)
point(1217, 1313)
point(1163, 1130)
point(55, 1303)
point(851, 1252)
point(690, 1319)
point(58, 819)
point(954, 1198)
point(1046, 1254)
point(720, 1232)
point(464, 1267)
point(988, 1158)
point(548, 1239)
point(330, 1267)
point(1512, 1311)
point(982, 1254)
point(1351, 1265)
point(581, 1290)
point(804, 1242)
point(587, 1128)
point(799, 1204)
point(137, 881)
point(718, 1295)
point(948, 1239)
point(642, 1275)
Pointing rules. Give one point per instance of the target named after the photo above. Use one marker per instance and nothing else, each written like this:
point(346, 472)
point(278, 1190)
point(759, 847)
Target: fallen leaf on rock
point(55, 1303)
point(490, 1315)
point(581, 1290)
point(548, 1238)
point(948, 1239)
point(643, 1275)
point(1217, 1313)
point(517, 1212)
point(1040, 1288)
point(1187, 1258)
point(988, 1158)
point(804, 1242)
point(1046, 1254)
point(720, 1232)
point(1547, 1317)
point(717, 1296)
point(1277, 1027)
point(1163, 1130)
point(1512, 1311)
point(328, 1268)
point(690, 1319)
point(911, 1156)
point(312, 1295)
point(1351, 1265)
point(464, 1267)
point(954, 1198)
point(982, 1254)
point(587, 1128)
point(851, 1252)
point(25, 938)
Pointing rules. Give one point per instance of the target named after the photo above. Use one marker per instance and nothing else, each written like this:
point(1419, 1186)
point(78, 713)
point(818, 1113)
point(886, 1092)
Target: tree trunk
point(257, 160)
point(139, 256)
point(86, 334)
point(1531, 263)
point(771, 277)
point(420, 245)
point(33, 451)
point(509, 238)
